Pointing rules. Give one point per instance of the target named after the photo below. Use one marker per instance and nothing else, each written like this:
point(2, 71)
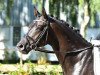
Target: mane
point(65, 25)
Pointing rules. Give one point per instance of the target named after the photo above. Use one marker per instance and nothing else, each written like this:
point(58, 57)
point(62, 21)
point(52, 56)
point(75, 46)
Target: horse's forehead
point(40, 20)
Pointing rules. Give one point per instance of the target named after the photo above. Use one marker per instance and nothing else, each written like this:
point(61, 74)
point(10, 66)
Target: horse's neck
point(68, 39)
point(64, 43)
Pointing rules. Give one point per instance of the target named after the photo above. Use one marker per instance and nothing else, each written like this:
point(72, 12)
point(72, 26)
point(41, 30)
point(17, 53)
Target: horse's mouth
point(24, 51)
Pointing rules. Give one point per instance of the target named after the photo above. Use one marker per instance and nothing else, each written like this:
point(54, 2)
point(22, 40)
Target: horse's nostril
point(20, 46)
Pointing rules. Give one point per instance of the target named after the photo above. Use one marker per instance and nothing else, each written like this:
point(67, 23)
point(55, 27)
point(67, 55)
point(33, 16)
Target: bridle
point(37, 40)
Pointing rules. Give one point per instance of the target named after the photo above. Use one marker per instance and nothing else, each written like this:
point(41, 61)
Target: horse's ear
point(36, 13)
point(44, 13)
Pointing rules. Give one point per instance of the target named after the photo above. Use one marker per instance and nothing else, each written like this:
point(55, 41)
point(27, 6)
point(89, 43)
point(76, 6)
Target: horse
point(74, 53)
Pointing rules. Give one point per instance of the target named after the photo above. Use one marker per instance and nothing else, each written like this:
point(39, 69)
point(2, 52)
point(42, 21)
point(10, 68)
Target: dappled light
point(1, 21)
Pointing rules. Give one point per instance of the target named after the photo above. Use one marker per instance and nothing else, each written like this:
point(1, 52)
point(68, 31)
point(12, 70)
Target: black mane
point(66, 25)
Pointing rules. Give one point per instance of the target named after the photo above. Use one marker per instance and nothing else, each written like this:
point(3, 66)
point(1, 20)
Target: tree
point(90, 7)
point(65, 6)
point(6, 5)
point(86, 17)
point(72, 9)
point(94, 8)
point(39, 4)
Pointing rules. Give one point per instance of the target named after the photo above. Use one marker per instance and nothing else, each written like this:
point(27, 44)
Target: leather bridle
point(37, 40)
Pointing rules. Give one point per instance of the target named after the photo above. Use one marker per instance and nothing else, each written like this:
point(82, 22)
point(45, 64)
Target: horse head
point(37, 35)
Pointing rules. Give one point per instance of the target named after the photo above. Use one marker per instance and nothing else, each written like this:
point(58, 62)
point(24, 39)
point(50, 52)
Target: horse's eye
point(41, 28)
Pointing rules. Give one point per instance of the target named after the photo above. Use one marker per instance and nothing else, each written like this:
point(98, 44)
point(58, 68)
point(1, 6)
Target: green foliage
point(94, 7)
point(66, 6)
point(10, 57)
point(38, 3)
point(54, 7)
point(6, 56)
point(7, 7)
point(8, 10)
point(2, 5)
point(14, 57)
point(95, 4)
point(34, 69)
point(81, 3)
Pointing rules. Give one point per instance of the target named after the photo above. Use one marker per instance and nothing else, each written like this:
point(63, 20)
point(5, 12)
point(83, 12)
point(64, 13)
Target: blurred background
point(16, 15)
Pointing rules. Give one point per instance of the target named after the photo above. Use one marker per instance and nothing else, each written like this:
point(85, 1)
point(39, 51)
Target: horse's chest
point(77, 68)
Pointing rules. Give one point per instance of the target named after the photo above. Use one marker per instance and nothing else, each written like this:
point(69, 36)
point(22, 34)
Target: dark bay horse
point(74, 53)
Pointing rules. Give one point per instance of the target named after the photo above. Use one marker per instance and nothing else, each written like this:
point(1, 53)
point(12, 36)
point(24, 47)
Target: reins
point(69, 52)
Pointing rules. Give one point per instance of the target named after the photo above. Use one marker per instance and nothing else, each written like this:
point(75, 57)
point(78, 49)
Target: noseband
point(37, 40)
